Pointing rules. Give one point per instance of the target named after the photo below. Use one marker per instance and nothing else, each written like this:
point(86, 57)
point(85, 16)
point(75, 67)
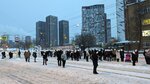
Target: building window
point(146, 44)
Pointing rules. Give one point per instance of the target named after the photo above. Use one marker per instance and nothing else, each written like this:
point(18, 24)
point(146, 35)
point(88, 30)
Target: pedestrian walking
point(34, 54)
point(27, 55)
point(134, 58)
point(63, 58)
point(122, 55)
point(137, 54)
point(45, 59)
point(95, 61)
point(87, 56)
point(19, 54)
point(10, 55)
point(100, 54)
point(146, 54)
point(77, 55)
point(84, 53)
point(3, 55)
point(72, 55)
point(59, 53)
point(117, 55)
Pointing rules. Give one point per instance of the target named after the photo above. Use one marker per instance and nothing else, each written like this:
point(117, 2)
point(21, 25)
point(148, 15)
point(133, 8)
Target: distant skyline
point(18, 17)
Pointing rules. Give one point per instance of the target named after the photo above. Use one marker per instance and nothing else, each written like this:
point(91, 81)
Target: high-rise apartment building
point(47, 32)
point(41, 34)
point(63, 32)
point(52, 30)
point(108, 35)
point(94, 22)
point(28, 39)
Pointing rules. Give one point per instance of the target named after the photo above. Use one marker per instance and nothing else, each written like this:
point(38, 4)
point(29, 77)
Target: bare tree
point(85, 41)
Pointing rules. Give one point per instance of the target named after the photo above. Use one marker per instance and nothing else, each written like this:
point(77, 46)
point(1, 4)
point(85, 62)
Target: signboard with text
point(146, 22)
point(146, 33)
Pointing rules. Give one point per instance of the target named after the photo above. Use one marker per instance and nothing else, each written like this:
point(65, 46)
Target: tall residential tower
point(63, 32)
point(94, 22)
point(52, 30)
point(41, 34)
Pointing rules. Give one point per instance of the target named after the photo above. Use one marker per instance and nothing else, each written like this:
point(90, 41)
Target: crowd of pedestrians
point(75, 55)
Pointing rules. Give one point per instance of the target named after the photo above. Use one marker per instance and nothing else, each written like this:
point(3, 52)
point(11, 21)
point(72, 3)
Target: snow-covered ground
point(17, 71)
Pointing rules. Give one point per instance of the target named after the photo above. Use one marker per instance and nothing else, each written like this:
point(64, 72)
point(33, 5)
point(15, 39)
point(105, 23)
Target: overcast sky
point(18, 17)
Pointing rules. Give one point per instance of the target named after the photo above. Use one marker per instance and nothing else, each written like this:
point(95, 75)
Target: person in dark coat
point(34, 55)
point(87, 56)
point(134, 58)
point(95, 61)
point(77, 55)
point(19, 54)
point(84, 54)
point(137, 54)
point(48, 53)
point(68, 54)
point(10, 55)
point(45, 59)
point(100, 54)
point(59, 53)
point(72, 55)
point(122, 55)
point(146, 54)
point(3, 55)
